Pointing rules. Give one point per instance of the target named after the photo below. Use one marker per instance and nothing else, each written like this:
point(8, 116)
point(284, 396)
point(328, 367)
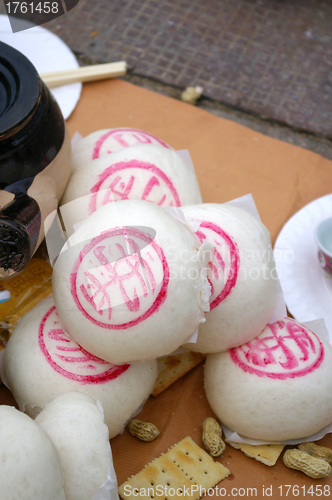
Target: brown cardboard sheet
point(230, 161)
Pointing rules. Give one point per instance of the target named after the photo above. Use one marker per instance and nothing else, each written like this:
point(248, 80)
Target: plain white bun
point(77, 429)
point(242, 274)
point(131, 283)
point(30, 466)
point(105, 141)
point(275, 388)
point(42, 362)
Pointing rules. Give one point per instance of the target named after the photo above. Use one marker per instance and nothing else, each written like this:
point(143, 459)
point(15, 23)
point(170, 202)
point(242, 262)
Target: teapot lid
point(19, 87)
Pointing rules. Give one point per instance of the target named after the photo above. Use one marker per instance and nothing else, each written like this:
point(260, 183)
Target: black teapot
point(35, 159)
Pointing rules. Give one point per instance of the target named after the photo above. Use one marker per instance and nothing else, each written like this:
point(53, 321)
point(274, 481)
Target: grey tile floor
point(264, 63)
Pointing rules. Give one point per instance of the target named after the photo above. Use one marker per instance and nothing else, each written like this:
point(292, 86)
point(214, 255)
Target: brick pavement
point(269, 58)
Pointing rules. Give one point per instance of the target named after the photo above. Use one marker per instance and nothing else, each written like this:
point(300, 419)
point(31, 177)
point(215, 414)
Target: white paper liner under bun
point(233, 437)
point(109, 490)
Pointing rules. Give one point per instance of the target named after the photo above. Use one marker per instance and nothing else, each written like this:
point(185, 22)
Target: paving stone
point(271, 58)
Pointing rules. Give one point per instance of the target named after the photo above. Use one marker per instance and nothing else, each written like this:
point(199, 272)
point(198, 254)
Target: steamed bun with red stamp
point(76, 427)
point(131, 283)
point(276, 387)
point(30, 465)
point(106, 141)
point(241, 272)
point(144, 172)
point(42, 362)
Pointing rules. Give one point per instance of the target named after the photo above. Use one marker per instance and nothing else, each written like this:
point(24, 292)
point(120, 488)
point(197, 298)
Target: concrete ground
point(264, 63)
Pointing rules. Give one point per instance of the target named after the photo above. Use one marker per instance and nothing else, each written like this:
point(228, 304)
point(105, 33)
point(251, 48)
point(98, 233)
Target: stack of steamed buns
point(137, 279)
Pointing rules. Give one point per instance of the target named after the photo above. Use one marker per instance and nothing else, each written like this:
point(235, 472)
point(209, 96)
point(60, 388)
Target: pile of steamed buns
point(137, 279)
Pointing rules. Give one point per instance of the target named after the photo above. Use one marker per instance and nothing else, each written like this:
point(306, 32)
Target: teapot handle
point(20, 222)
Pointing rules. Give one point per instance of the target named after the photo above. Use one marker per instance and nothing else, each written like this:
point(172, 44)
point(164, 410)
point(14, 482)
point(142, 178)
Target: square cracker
point(158, 475)
point(185, 466)
point(268, 454)
point(197, 464)
point(175, 367)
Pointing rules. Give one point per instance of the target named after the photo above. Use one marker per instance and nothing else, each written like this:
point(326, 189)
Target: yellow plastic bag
point(26, 290)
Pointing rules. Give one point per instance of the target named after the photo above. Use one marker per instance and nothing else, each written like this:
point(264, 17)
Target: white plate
point(47, 52)
point(307, 288)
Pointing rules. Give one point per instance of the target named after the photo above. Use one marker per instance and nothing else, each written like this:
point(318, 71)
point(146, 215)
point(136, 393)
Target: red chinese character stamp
point(68, 358)
point(120, 278)
point(284, 350)
point(120, 138)
point(136, 180)
point(225, 263)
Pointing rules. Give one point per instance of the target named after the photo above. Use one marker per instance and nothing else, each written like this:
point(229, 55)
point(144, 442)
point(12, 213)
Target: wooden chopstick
point(84, 74)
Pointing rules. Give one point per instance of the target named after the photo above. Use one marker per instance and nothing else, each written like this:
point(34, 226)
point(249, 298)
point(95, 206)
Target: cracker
point(175, 367)
point(185, 467)
point(158, 475)
point(268, 454)
point(197, 464)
